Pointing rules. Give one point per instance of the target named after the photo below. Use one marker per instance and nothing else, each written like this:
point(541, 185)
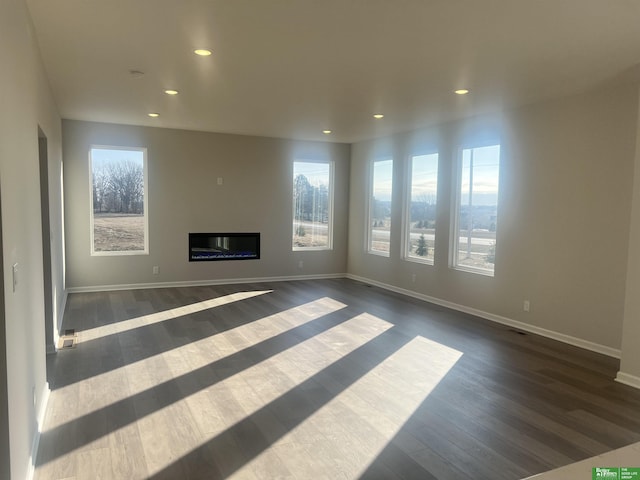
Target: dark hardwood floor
point(328, 379)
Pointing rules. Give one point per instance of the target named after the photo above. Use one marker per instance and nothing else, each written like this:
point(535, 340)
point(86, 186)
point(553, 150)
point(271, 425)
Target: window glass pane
point(421, 224)
point(380, 207)
point(312, 205)
point(118, 188)
point(477, 211)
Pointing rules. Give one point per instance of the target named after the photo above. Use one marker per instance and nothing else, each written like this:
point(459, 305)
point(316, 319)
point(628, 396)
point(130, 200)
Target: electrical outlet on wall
point(526, 306)
point(156, 270)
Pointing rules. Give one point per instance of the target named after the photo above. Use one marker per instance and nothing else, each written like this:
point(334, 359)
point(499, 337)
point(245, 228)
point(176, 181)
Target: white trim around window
point(379, 207)
point(420, 208)
point(118, 201)
point(475, 213)
point(313, 203)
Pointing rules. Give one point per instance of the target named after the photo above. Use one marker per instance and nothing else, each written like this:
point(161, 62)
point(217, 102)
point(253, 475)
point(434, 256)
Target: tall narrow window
point(421, 208)
point(119, 221)
point(312, 205)
point(477, 209)
point(380, 207)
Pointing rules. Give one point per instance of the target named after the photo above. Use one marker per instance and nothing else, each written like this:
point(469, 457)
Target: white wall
point(630, 362)
point(563, 220)
point(183, 197)
point(26, 104)
point(565, 204)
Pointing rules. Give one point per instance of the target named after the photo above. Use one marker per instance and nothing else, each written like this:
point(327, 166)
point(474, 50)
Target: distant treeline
point(311, 203)
point(422, 214)
point(118, 187)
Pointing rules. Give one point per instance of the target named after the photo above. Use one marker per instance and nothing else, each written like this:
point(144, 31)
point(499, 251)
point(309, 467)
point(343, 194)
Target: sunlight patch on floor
point(221, 406)
point(252, 378)
point(157, 317)
point(379, 404)
point(279, 374)
point(102, 390)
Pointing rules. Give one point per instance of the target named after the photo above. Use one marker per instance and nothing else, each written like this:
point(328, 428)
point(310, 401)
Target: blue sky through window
point(424, 177)
point(486, 169)
point(103, 156)
point(316, 173)
point(383, 180)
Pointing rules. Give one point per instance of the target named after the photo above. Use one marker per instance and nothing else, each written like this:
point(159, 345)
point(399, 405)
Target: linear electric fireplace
point(204, 247)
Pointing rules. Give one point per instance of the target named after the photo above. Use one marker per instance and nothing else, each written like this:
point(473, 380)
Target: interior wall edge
point(561, 337)
point(62, 305)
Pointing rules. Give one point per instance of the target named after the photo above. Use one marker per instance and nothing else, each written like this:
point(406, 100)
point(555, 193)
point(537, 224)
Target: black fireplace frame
point(211, 247)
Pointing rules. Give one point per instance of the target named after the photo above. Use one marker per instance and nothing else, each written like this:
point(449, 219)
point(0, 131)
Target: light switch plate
point(14, 270)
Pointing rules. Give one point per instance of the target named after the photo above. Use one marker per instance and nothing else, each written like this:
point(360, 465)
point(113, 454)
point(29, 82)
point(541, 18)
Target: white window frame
point(331, 189)
point(114, 253)
point(406, 253)
point(368, 236)
point(455, 212)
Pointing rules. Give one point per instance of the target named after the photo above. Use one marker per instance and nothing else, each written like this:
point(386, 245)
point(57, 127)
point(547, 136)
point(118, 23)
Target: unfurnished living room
point(261, 239)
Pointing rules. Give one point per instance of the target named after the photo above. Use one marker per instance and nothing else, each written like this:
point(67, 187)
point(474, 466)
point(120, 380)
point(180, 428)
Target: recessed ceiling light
point(462, 91)
point(326, 132)
point(378, 115)
point(153, 114)
point(171, 92)
point(203, 52)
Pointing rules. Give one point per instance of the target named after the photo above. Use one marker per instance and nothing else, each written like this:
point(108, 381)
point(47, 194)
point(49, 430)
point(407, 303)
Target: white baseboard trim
point(200, 283)
point(44, 400)
point(628, 379)
point(561, 337)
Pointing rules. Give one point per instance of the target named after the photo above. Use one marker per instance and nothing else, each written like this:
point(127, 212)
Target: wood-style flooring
point(327, 379)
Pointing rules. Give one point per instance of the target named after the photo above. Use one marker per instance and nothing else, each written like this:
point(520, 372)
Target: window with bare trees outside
point(119, 223)
point(312, 205)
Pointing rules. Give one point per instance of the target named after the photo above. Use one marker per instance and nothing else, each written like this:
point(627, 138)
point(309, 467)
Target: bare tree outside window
point(118, 210)
point(312, 205)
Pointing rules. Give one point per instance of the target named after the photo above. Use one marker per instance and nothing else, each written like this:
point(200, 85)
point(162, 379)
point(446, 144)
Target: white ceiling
point(291, 68)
